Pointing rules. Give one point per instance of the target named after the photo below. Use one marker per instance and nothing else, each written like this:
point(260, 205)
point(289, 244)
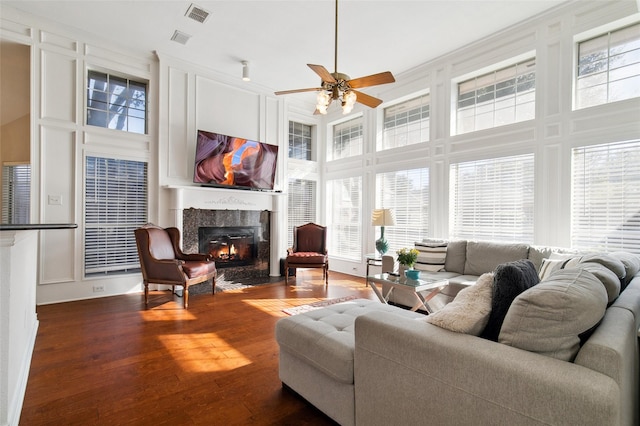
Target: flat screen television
point(229, 161)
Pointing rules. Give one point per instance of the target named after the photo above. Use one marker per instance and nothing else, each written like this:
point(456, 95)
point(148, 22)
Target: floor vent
point(197, 13)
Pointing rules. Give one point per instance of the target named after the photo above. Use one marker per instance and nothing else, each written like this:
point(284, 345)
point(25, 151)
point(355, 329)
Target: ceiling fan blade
point(372, 80)
point(323, 73)
point(286, 92)
point(367, 100)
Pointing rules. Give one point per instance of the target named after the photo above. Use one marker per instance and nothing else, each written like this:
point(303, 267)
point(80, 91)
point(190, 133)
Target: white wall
point(551, 136)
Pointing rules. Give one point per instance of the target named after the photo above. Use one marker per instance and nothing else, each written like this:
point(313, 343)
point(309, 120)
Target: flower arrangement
point(407, 256)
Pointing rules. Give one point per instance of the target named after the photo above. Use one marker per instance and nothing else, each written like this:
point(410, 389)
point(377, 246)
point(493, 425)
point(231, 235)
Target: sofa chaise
point(366, 363)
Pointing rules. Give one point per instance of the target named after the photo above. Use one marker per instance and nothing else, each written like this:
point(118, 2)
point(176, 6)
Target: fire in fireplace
point(229, 246)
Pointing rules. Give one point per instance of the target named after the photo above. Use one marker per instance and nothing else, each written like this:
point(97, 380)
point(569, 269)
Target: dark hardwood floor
point(109, 361)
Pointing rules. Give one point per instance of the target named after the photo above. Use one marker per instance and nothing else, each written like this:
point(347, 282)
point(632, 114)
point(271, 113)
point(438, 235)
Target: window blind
point(16, 193)
point(493, 199)
point(497, 98)
point(344, 217)
point(302, 205)
point(405, 124)
point(407, 193)
point(605, 193)
point(609, 67)
point(115, 205)
point(347, 140)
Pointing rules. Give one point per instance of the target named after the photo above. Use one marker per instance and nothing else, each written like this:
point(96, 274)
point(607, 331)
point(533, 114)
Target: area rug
point(316, 305)
point(223, 285)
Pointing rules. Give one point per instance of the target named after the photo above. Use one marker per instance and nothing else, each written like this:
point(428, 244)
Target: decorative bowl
point(412, 274)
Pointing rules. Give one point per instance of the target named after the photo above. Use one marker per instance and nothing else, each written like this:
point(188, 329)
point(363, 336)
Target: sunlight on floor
point(275, 306)
point(203, 352)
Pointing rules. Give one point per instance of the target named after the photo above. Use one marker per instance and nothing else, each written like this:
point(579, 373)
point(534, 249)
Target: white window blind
point(116, 102)
point(16, 193)
point(344, 198)
point(300, 141)
point(606, 197)
point(492, 199)
point(407, 193)
point(115, 205)
point(347, 140)
point(302, 205)
point(498, 98)
point(405, 124)
point(609, 67)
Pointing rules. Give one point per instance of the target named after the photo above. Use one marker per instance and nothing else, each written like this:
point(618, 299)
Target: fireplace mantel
point(212, 198)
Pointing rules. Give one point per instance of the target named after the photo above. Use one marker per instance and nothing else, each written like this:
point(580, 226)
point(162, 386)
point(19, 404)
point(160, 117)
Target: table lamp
point(382, 218)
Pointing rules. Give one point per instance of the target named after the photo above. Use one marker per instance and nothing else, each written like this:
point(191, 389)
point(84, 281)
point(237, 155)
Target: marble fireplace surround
point(194, 206)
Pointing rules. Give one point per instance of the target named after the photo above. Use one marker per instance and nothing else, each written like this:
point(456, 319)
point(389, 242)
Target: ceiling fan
point(337, 86)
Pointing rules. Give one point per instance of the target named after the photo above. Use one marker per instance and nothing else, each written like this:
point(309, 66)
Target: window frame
point(16, 197)
point(482, 72)
point(331, 146)
point(129, 79)
point(425, 136)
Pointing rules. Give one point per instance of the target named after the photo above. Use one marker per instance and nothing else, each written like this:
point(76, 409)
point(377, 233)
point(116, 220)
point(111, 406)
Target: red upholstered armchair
point(163, 262)
point(309, 250)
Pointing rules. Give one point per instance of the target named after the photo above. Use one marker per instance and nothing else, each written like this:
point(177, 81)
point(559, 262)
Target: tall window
point(605, 210)
point(300, 141)
point(115, 205)
point(344, 198)
point(302, 205)
point(16, 193)
point(116, 103)
point(609, 68)
point(501, 97)
point(347, 140)
point(492, 199)
point(405, 124)
point(407, 193)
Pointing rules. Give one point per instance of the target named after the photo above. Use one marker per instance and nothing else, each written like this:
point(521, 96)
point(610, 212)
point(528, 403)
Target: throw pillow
point(549, 317)
point(510, 280)
point(431, 256)
point(631, 264)
point(469, 312)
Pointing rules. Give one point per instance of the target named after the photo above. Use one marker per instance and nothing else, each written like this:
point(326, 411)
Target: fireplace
point(229, 246)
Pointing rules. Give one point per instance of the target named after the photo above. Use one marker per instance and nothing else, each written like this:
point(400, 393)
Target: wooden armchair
point(309, 250)
point(163, 262)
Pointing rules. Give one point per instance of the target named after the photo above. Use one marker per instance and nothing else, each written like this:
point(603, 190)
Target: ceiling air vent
point(197, 13)
point(180, 37)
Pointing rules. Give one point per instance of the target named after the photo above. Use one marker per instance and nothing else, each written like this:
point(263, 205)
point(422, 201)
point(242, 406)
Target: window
point(405, 124)
point(492, 199)
point(407, 193)
point(344, 198)
point(116, 103)
point(16, 193)
point(302, 204)
point(609, 68)
point(498, 98)
point(605, 208)
point(115, 205)
point(347, 140)
point(300, 141)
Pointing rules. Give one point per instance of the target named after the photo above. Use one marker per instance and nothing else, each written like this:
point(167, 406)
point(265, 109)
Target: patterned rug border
point(316, 305)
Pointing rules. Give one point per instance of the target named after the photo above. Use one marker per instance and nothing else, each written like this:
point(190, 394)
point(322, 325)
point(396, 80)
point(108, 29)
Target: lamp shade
point(383, 217)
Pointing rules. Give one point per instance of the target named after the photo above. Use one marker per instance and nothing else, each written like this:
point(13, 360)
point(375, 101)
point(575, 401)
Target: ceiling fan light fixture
point(323, 99)
point(348, 101)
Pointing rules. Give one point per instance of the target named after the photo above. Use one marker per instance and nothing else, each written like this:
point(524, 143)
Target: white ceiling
point(279, 38)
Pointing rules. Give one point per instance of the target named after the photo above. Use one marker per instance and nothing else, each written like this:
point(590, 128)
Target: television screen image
point(223, 160)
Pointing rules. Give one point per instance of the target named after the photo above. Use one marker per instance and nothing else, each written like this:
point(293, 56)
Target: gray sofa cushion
point(456, 256)
point(549, 317)
point(631, 264)
point(510, 280)
point(485, 256)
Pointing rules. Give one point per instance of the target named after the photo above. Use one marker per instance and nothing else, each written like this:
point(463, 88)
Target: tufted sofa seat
point(316, 354)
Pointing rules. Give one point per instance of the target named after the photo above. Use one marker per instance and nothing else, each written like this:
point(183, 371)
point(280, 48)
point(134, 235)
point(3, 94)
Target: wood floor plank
point(110, 361)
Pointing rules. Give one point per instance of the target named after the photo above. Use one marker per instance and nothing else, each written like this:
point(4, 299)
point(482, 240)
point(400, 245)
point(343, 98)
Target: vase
point(401, 271)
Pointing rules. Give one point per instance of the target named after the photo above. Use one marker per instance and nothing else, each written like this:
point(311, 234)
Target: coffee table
point(416, 287)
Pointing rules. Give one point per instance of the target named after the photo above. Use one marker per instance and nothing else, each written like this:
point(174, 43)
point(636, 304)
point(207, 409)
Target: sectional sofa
point(366, 363)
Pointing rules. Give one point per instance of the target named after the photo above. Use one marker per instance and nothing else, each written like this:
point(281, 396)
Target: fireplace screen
point(229, 246)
